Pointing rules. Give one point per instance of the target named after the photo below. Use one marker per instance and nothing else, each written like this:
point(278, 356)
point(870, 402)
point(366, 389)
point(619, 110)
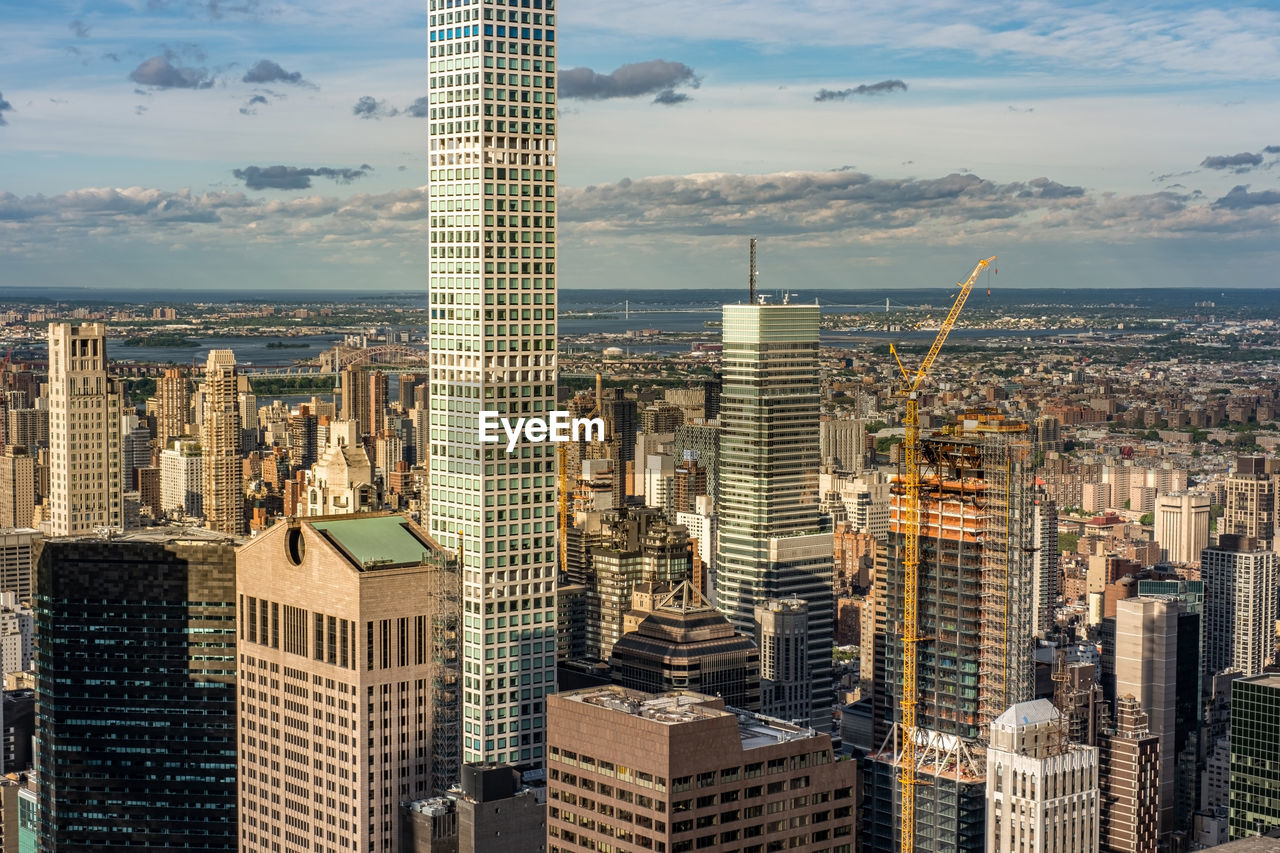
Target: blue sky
point(1103, 144)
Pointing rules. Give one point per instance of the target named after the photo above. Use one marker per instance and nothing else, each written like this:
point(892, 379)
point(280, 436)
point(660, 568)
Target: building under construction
point(974, 600)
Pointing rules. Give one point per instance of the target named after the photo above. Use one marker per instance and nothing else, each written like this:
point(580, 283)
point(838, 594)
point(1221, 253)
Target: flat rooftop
point(377, 541)
point(684, 706)
point(1266, 679)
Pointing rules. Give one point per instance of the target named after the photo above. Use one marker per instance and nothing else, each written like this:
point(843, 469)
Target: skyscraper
point(84, 428)
point(220, 441)
point(1146, 669)
point(975, 604)
point(1242, 582)
point(1255, 756)
point(1130, 781)
point(772, 544)
point(1182, 526)
point(492, 294)
point(1251, 501)
point(136, 692)
point(174, 396)
point(17, 487)
point(348, 681)
point(782, 633)
point(1042, 790)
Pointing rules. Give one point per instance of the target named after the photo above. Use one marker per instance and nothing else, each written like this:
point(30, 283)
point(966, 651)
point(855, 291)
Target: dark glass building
point(135, 692)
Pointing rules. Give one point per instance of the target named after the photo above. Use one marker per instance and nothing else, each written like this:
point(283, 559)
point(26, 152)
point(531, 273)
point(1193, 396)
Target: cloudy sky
point(200, 144)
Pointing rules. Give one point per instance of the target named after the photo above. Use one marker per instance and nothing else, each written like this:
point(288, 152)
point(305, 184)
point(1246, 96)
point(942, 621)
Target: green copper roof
point(378, 540)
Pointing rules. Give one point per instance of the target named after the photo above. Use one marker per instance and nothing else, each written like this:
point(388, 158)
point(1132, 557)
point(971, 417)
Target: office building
point(173, 392)
point(677, 770)
point(1254, 806)
point(1182, 526)
point(678, 641)
point(220, 441)
point(182, 479)
point(623, 548)
point(1146, 668)
point(497, 808)
point(1046, 571)
point(1130, 782)
point(492, 281)
point(1042, 789)
point(17, 561)
point(17, 634)
point(348, 679)
point(1242, 583)
point(843, 444)
point(1251, 502)
point(135, 692)
point(84, 420)
point(17, 487)
point(699, 441)
point(782, 633)
point(771, 537)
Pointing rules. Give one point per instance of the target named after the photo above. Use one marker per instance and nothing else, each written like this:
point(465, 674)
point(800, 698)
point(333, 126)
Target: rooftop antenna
point(751, 277)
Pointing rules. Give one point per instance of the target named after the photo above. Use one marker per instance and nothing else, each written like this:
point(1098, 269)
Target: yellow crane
point(909, 488)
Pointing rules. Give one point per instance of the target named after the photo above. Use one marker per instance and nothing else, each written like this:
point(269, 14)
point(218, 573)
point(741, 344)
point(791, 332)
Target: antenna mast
point(751, 276)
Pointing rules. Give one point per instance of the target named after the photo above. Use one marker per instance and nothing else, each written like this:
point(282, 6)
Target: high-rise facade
point(782, 634)
point(348, 681)
point(136, 692)
point(1146, 665)
point(1130, 781)
point(220, 440)
point(772, 542)
point(1042, 790)
point(1254, 806)
point(1242, 582)
point(1182, 526)
point(84, 429)
point(678, 771)
point(182, 479)
point(1251, 501)
point(174, 394)
point(492, 294)
point(17, 487)
point(975, 604)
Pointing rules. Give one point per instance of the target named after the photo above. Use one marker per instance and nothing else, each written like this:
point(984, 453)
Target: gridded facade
point(492, 292)
point(1042, 790)
point(1242, 583)
point(223, 498)
point(348, 682)
point(771, 540)
point(136, 692)
point(1254, 806)
point(84, 429)
point(676, 772)
point(174, 394)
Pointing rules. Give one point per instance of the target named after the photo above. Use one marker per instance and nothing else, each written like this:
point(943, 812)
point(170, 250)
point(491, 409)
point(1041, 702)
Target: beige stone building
point(17, 487)
point(84, 434)
point(348, 680)
point(220, 440)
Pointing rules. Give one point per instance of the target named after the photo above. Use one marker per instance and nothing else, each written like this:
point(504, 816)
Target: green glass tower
point(772, 540)
point(492, 292)
point(1254, 804)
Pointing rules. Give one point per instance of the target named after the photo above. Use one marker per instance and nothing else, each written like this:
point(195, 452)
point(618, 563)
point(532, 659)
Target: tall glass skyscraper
point(772, 542)
point(492, 283)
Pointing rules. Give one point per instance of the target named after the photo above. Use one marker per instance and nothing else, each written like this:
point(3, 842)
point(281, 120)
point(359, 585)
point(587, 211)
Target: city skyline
point(217, 144)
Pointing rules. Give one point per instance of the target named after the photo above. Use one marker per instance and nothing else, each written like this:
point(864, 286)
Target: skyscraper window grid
point(492, 281)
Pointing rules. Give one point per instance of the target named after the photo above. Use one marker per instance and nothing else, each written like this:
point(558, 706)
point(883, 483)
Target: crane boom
point(909, 487)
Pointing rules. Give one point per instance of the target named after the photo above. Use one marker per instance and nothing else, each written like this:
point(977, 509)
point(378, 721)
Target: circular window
point(294, 545)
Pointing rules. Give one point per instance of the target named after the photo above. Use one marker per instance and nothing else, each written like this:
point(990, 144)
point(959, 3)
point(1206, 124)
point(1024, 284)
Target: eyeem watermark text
point(560, 426)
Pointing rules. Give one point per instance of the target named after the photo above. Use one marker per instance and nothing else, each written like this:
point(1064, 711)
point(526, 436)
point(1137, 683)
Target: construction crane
point(562, 460)
point(909, 488)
